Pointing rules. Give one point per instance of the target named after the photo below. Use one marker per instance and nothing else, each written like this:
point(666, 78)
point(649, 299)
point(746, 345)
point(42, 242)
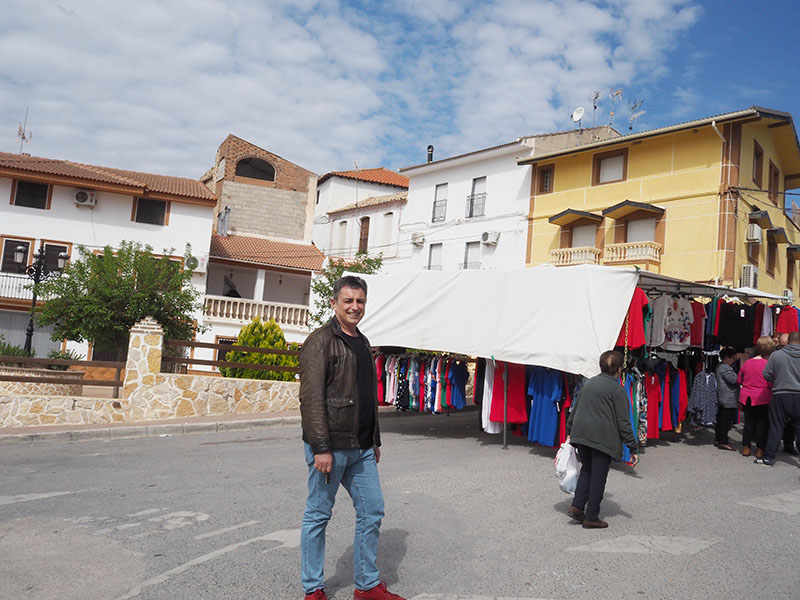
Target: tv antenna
point(23, 134)
point(576, 116)
point(595, 98)
point(635, 112)
point(614, 96)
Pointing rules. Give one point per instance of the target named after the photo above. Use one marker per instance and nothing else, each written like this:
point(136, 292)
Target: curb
point(140, 431)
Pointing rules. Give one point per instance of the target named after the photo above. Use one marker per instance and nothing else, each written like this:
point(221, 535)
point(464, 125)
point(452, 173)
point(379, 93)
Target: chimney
point(430, 153)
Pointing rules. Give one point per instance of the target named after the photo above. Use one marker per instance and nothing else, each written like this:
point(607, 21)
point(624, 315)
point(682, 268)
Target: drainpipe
point(717, 131)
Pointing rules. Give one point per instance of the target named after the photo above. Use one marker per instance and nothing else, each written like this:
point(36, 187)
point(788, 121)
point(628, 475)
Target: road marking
point(28, 497)
point(275, 536)
point(117, 528)
point(225, 530)
point(787, 503)
point(180, 518)
point(149, 511)
point(649, 544)
point(289, 538)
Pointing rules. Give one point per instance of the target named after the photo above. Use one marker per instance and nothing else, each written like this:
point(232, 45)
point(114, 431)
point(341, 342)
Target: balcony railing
point(13, 286)
point(433, 268)
point(476, 203)
point(242, 310)
point(632, 252)
point(439, 210)
point(583, 255)
point(469, 265)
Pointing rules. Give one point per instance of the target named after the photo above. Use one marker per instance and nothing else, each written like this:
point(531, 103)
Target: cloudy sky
point(157, 85)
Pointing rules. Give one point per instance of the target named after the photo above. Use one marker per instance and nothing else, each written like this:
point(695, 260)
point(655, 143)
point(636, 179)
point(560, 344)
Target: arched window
point(255, 168)
point(342, 242)
point(363, 238)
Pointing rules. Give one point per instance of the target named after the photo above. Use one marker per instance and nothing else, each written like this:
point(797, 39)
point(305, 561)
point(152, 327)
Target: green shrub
point(7, 349)
point(63, 355)
point(261, 334)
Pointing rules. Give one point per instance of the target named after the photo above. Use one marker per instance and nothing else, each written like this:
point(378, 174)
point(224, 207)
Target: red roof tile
point(267, 252)
point(148, 182)
point(379, 175)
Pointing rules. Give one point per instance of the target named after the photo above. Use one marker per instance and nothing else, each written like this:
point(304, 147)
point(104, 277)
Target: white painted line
point(28, 497)
point(180, 518)
point(787, 503)
point(149, 511)
point(225, 530)
point(289, 538)
point(649, 544)
point(135, 591)
point(469, 597)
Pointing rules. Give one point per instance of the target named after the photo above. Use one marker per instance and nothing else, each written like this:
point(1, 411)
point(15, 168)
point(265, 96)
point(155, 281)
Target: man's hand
point(377, 454)
point(323, 462)
point(634, 459)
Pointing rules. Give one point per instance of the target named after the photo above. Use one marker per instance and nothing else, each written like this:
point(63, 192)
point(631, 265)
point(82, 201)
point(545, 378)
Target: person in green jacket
point(598, 424)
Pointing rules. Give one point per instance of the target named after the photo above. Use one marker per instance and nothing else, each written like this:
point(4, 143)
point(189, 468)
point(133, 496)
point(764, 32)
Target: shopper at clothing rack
point(598, 424)
point(727, 392)
point(783, 370)
point(754, 397)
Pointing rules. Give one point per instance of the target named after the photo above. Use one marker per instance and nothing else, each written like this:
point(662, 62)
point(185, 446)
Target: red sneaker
point(317, 595)
point(379, 592)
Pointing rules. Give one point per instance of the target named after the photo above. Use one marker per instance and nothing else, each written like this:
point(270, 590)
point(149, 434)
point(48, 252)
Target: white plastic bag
point(567, 468)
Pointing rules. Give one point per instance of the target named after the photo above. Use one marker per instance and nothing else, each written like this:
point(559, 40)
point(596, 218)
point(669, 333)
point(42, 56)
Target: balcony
point(243, 310)
point(469, 265)
point(632, 252)
point(476, 203)
point(13, 286)
point(583, 255)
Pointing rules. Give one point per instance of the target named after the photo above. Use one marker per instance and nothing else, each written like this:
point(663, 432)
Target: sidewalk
point(163, 427)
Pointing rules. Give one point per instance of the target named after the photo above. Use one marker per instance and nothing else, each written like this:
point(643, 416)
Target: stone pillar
point(144, 363)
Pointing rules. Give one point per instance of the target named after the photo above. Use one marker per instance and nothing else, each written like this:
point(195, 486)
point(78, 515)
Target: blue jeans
point(357, 471)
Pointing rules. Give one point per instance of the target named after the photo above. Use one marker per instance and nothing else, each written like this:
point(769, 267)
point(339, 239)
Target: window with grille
point(435, 257)
point(388, 222)
point(476, 201)
point(51, 252)
point(472, 256)
point(31, 194)
point(544, 185)
point(153, 212)
point(9, 247)
point(363, 235)
point(440, 203)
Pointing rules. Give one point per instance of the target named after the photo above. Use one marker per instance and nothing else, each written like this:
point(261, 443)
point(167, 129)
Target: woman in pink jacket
point(754, 397)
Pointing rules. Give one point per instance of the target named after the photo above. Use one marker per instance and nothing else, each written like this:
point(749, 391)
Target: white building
point(470, 211)
point(359, 211)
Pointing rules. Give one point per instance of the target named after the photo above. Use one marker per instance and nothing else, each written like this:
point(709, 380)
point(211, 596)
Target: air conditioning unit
point(198, 264)
point(788, 296)
point(749, 277)
point(490, 237)
point(418, 238)
point(754, 233)
point(85, 198)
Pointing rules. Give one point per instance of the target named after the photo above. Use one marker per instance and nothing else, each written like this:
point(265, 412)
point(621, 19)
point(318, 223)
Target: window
point(772, 256)
point(31, 194)
point(584, 236)
point(51, 252)
point(774, 182)
point(317, 197)
point(440, 203)
point(435, 257)
point(9, 247)
point(608, 167)
point(544, 179)
point(641, 230)
point(363, 236)
point(758, 163)
point(752, 253)
point(388, 221)
point(472, 255)
point(476, 202)
point(255, 168)
point(227, 341)
point(790, 274)
point(342, 241)
point(148, 210)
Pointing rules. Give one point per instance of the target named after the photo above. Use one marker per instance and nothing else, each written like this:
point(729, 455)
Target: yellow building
point(701, 201)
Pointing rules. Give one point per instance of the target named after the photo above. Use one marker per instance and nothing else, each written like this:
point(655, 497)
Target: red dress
point(652, 385)
point(517, 412)
point(635, 320)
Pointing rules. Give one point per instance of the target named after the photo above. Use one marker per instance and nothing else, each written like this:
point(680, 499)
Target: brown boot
point(759, 453)
point(587, 524)
point(746, 450)
point(576, 513)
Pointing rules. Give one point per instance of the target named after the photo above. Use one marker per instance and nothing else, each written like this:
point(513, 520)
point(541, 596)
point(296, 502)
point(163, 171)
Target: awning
point(778, 235)
point(754, 293)
point(628, 207)
point(573, 217)
point(671, 285)
point(793, 252)
point(761, 217)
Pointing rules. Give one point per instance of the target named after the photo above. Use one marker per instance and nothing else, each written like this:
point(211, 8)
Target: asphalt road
point(217, 516)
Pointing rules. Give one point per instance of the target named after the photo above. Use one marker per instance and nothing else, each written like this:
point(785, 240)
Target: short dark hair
point(610, 362)
point(794, 337)
point(727, 352)
point(350, 281)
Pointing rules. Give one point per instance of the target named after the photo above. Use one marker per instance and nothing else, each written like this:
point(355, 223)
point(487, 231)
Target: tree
point(99, 297)
point(261, 334)
point(322, 284)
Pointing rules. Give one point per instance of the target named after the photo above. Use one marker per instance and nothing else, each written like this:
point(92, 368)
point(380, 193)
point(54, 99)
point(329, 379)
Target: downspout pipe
point(717, 131)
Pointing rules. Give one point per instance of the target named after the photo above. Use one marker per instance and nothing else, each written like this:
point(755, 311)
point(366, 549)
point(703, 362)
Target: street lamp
point(37, 271)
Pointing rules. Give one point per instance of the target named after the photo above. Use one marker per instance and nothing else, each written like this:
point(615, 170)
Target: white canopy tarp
point(562, 318)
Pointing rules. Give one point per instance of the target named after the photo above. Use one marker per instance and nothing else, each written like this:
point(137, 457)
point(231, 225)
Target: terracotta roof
point(265, 251)
point(379, 175)
point(147, 182)
point(401, 197)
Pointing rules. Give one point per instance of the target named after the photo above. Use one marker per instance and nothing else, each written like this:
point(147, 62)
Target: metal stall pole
point(505, 406)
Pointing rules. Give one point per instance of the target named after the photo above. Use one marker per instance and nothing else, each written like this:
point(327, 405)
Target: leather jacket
point(329, 391)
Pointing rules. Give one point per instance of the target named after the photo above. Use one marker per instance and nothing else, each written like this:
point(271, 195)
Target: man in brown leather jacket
point(339, 410)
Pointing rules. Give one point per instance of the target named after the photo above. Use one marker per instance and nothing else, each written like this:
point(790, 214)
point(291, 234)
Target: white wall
point(506, 209)
point(383, 236)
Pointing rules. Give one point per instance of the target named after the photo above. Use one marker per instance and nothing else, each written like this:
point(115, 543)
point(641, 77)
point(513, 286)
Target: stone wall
point(148, 394)
point(265, 211)
point(54, 389)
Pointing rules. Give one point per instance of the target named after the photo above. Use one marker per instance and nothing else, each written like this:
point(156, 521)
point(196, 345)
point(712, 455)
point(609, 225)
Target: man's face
point(349, 306)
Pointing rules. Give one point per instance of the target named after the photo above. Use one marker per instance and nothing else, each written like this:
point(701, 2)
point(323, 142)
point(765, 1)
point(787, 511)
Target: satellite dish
point(577, 114)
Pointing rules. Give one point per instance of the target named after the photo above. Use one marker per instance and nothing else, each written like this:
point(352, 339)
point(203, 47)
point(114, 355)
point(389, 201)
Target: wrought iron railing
point(476, 203)
point(439, 210)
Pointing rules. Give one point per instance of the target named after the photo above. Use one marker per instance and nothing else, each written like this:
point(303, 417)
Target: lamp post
point(38, 272)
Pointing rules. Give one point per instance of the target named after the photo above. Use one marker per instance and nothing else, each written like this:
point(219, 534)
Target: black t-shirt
point(366, 399)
